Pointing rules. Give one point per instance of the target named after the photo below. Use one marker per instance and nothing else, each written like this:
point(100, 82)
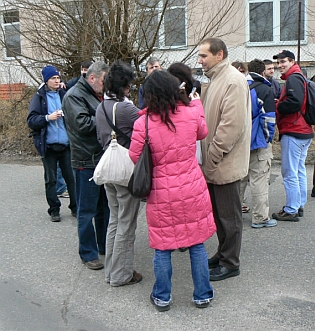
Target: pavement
point(45, 287)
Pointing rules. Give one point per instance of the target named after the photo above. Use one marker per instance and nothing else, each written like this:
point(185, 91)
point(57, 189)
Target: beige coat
point(227, 104)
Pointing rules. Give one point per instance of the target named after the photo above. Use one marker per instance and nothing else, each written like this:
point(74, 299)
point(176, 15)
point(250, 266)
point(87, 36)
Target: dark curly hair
point(119, 77)
point(161, 94)
point(184, 73)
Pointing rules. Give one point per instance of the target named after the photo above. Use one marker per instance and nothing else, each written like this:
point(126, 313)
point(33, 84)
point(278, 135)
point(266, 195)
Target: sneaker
point(65, 194)
point(245, 209)
point(221, 273)
point(267, 224)
point(301, 212)
point(158, 307)
point(74, 214)
point(283, 216)
point(94, 265)
point(55, 216)
point(313, 192)
point(203, 304)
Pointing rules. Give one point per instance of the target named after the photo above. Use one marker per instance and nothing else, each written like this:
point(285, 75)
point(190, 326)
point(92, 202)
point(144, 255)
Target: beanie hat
point(49, 71)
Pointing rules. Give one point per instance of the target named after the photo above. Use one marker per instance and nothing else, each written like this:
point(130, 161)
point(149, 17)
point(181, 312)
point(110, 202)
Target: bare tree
point(64, 33)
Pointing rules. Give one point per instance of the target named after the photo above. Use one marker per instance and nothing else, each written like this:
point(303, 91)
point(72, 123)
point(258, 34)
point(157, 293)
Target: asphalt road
point(45, 287)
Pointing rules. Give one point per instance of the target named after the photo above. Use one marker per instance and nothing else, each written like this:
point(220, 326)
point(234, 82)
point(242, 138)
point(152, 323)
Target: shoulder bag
point(140, 182)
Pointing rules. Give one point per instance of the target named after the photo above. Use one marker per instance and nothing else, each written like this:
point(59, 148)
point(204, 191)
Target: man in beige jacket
point(225, 151)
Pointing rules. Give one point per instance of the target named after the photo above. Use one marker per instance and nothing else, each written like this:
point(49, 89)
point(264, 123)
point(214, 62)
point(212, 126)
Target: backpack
point(262, 123)
point(309, 115)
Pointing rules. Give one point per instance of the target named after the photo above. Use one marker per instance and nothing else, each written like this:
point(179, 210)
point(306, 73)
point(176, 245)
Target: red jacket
point(292, 101)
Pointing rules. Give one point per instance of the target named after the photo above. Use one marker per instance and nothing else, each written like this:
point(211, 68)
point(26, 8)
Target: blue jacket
point(263, 111)
point(36, 119)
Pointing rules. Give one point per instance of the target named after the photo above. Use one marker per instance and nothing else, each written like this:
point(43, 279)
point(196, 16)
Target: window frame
point(18, 32)
point(276, 26)
point(162, 36)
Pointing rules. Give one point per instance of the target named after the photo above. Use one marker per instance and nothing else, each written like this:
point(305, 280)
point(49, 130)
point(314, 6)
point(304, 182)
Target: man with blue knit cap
point(45, 118)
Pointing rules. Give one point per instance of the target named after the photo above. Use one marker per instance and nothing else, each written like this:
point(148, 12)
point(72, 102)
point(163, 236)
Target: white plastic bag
point(115, 166)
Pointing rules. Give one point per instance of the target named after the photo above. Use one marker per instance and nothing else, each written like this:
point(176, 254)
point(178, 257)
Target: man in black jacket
point(79, 106)
point(45, 118)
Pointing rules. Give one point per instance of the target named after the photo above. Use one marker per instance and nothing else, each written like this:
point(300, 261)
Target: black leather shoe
point(213, 262)
point(220, 273)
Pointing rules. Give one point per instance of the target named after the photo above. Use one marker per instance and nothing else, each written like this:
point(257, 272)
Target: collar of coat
point(217, 68)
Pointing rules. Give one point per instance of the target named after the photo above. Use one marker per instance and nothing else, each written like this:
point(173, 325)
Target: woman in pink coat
point(179, 210)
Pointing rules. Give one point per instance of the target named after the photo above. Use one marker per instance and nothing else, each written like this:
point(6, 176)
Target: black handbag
point(140, 182)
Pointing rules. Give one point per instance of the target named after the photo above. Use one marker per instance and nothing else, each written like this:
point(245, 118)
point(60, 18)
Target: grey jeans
point(121, 235)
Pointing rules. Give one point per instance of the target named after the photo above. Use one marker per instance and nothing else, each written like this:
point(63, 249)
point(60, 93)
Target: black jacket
point(79, 107)
point(36, 118)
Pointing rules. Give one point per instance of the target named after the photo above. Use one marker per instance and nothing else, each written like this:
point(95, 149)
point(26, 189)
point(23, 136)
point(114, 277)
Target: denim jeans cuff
point(162, 303)
point(199, 302)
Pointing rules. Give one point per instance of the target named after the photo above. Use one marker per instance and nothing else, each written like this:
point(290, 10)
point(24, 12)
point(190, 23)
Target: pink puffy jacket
point(179, 210)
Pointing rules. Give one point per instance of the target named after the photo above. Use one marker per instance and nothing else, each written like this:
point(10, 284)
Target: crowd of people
point(208, 141)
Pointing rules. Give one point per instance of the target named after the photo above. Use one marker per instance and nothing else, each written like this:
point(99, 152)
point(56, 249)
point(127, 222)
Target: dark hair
point(86, 64)
point(183, 73)
point(256, 66)
point(239, 64)
point(119, 77)
point(267, 61)
point(161, 94)
point(216, 45)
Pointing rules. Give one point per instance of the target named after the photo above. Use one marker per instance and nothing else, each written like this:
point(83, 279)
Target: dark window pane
point(261, 21)
point(12, 39)
point(289, 13)
point(148, 3)
point(11, 17)
point(148, 29)
point(174, 26)
point(171, 3)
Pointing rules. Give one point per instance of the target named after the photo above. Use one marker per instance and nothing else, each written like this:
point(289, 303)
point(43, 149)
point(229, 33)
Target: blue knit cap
point(48, 72)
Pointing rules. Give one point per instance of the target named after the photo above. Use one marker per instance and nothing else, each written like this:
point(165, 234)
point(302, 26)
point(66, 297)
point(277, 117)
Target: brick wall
point(11, 91)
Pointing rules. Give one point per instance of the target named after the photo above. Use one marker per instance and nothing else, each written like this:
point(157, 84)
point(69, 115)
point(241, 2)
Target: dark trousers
point(50, 166)
point(227, 211)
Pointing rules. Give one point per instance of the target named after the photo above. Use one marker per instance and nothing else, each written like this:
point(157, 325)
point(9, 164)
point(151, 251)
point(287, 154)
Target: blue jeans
point(61, 186)
point(162, 264)
point(50, 161)
point(293, 154)
point(91, 203)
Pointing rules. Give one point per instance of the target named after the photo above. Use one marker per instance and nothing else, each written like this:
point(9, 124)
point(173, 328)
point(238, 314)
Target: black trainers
point(213, 262)
point(301, 212)
point(202, 305)
point(55, 216)
point(313, 193)
point(283, 216)
point(159, 308)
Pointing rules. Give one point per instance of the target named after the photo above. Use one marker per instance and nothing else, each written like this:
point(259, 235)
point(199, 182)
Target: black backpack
point(309, 115)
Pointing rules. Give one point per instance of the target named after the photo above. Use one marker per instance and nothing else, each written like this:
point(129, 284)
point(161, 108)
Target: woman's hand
point(194, 96)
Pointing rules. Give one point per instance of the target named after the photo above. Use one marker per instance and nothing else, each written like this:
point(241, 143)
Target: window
point(275, 22)
point(172, 31)
point(11, 33)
